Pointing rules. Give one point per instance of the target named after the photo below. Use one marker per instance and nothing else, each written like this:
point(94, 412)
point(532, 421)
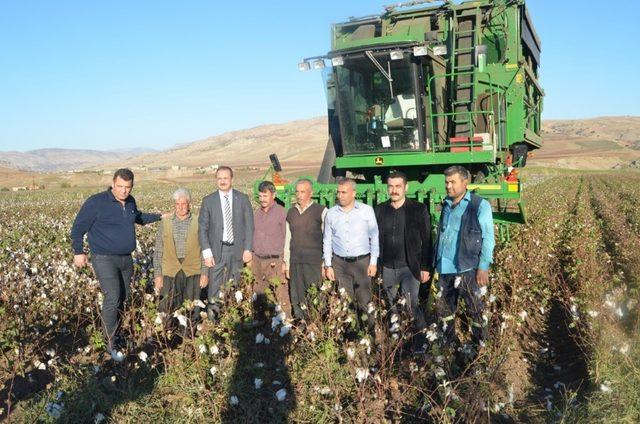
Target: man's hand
point(246, 256)
point(204, 280)
point(158, 283)
point(209, 262)
point(482, 277)
point(80, 261)
point(167, 215)
point(424, 276)
point(323, 272)
point(373, 269)
point(330, 274)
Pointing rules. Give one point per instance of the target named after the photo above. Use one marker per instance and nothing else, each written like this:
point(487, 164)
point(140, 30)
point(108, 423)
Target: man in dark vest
point(463, 254)
point(303, 252)
point(405, 251)
point(179, 271)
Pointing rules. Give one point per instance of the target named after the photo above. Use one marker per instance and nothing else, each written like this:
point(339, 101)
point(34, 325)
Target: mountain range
point(596, 143)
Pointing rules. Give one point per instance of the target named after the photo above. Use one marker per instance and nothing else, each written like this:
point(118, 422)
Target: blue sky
point(113, 75)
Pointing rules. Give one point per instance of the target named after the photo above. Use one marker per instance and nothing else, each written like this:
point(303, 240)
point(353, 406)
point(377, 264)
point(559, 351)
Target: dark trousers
point(354, 278)
point(402, 280)
point(114, 273)
point(175, 290)
point(302, 278)
point(448, 304)
point(225, 271)
point(267, 274)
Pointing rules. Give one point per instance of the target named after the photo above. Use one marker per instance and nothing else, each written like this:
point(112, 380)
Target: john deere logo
point(379, 161)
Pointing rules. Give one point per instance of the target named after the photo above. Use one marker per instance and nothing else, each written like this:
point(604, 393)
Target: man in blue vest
point(464, 252)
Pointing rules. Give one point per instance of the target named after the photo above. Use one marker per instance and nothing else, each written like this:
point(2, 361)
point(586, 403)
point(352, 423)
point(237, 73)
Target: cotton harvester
point(419, 88)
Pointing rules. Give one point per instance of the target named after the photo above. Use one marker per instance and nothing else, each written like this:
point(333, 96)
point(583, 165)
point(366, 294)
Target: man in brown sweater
point(304, 251)
point(268, 251)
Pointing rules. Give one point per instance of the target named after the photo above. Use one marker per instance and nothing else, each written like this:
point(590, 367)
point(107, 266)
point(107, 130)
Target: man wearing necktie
point(226, 235)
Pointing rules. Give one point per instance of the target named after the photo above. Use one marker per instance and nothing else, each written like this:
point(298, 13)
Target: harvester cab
point(420, 88)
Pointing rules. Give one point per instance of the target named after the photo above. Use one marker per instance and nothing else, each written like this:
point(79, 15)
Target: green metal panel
point(395, 160)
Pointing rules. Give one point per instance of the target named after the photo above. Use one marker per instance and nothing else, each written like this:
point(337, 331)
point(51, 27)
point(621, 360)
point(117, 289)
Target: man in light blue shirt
point(463, 254)
point(350, 247)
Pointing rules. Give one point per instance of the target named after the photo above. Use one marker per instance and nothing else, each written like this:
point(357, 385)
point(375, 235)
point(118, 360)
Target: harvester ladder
point(465, 36)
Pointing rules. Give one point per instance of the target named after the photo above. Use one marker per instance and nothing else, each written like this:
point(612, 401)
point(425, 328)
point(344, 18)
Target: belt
point(226, 243)
point(352, 258)
point(267, 256)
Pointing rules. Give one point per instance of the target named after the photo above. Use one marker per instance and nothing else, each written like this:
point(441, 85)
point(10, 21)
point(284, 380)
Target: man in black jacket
point(405, 251)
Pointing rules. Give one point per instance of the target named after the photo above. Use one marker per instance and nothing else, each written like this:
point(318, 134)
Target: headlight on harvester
point(304, 66)
point(337, 61)
point(318, 64)
point(396, 54)
point(420, 51)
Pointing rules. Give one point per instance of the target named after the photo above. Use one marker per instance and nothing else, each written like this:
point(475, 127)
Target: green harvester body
point(420, 88)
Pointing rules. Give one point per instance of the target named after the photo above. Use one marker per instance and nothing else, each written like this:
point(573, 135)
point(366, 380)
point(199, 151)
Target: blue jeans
point(114, 273)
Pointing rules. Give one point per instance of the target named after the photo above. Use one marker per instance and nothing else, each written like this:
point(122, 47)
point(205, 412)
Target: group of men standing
point(292, 250)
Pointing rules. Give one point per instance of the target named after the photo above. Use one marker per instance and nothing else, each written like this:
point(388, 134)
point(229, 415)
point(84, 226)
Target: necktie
point(228, 219)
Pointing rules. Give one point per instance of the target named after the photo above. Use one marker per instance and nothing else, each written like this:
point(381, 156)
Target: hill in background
point(54, 160)
point(597, 143)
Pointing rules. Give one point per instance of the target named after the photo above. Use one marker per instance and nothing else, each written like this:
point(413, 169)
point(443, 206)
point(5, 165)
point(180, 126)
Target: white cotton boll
point(159, 318)
point(281, 395)
point(457, 282)
point(238, 296)
point(351, 353)
point(619, 312)
point(522, 315)
point(213, 370)
point(233, 400)
point(431, 335)
point(284, 330)
point(50, 352)
point(182, 320)
point(394, 318)
point(199, 303)
point(605, 388)
point(624, 349)
point(370, 308)
point(362, 374)
point(394, 328)
point(202, 349)
point(259, 338)
point(492, 298)
point(402, 301)
point(143, 356)
point(257, 383)
point(439, 373)
point(214, 350)
point(39, 365)
point(593, 314)
point(342, 291)
point(54, 410)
